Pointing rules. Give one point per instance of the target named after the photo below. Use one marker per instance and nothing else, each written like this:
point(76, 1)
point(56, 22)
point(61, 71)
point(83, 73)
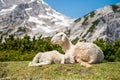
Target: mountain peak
point(35, 18)
point(32, 17)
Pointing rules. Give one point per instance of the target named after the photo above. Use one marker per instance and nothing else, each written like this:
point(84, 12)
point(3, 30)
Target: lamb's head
point(59, 38)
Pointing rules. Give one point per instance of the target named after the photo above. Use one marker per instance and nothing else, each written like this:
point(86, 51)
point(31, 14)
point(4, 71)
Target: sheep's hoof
point(89, 66)
point(86, 65)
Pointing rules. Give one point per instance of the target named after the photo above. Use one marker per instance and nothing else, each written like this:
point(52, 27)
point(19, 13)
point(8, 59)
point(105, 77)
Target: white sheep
point(47, 58)
point(83, 52)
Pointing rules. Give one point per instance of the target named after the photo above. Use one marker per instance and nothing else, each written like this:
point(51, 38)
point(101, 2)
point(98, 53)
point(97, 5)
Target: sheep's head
point(59, 38)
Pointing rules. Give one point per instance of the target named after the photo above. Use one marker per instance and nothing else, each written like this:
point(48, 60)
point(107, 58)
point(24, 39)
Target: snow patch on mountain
point(3, 11)
point(32, 17)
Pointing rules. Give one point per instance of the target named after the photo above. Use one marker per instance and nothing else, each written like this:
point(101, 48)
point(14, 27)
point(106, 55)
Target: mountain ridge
point(101, 23)
point(35, 18)
point(32, 17)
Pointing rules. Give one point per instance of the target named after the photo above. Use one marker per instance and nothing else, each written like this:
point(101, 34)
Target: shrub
point(92, 14)
point(91, 28)
point(85, 20)
point(110, 50)
point(16, 49)
point(114, 7)
point(77, 20)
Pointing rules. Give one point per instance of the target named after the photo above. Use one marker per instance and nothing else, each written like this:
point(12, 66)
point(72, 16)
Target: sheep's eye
point(61, 35)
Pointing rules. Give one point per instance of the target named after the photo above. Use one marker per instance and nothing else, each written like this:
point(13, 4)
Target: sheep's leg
point(91, 61)
point(31, 64)
point(43, 63)
point(37, 57)
point(39, 64)
point(87, 65)
point(62, 60)
point(35, 60)
point(72, 60)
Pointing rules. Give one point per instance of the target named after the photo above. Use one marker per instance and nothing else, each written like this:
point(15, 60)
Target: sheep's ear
point(63, 37)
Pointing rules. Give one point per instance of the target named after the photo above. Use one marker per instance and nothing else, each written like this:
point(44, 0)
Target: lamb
point(83, 52)
point(46, 58)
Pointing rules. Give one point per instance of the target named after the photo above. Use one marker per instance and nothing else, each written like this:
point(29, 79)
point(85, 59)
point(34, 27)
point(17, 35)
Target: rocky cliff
point(101, 23)
point(35, 18)
point(32, 17)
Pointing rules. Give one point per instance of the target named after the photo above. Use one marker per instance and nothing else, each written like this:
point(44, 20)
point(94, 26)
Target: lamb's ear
point(63, 37)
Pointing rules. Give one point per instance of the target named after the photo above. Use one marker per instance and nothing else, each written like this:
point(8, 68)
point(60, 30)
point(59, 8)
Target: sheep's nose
point(52, 41)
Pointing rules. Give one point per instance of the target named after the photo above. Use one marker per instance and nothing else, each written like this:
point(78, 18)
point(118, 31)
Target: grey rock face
point(32, 17)
point(102, 23)
point(35, 17)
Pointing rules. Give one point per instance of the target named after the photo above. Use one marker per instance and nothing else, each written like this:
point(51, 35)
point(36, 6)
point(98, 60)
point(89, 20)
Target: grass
point(21, 71)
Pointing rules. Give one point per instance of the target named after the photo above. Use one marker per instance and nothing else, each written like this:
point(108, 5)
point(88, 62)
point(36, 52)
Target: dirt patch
point(85, 71)
point(3, 70)
point(3, 65)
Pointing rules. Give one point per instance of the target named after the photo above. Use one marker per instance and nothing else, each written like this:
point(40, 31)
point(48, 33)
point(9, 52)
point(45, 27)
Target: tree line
point(17, 49)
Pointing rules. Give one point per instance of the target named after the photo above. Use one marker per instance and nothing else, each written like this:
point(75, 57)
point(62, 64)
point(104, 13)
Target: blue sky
point(78, 8)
